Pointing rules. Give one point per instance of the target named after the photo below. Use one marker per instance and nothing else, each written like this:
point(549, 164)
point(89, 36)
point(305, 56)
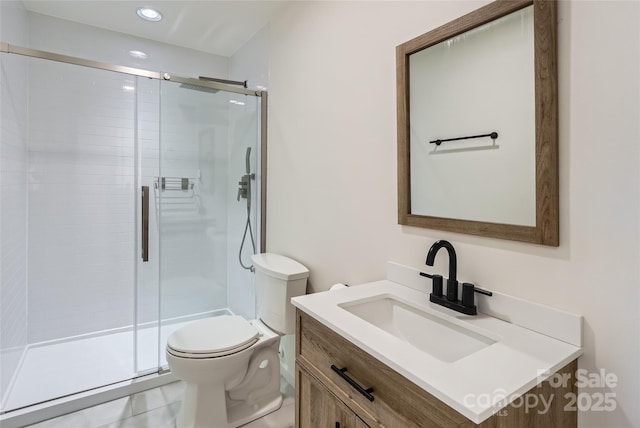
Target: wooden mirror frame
point(546, 230)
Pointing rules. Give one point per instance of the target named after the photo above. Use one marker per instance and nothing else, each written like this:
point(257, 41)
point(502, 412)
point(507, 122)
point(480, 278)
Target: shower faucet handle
point(242, 190)
point(244, 183)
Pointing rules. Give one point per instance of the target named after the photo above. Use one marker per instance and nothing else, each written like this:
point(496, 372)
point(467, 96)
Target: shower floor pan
point(65, 367)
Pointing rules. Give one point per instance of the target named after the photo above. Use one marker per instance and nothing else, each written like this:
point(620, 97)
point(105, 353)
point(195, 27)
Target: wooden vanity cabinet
point(321, 408)
point(324, 397)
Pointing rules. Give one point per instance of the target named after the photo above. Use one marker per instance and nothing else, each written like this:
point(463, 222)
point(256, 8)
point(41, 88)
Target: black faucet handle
point(468, 298)
point(482, 291)
point(437, 285)
point(468, 289)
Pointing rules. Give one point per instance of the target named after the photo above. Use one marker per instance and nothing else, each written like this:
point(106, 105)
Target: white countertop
point(477, 385)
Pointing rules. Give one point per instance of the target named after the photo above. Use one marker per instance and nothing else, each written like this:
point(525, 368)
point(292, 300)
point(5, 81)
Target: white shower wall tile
point(81, 245)
point(193, 224)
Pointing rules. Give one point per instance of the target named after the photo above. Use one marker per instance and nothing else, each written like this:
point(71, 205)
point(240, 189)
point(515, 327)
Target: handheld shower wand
point(244, 191)
point(247, 161)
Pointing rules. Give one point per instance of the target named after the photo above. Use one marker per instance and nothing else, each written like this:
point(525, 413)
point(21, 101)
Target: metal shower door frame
point(34, 53)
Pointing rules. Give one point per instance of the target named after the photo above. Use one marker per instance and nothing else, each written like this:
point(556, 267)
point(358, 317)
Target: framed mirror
point(477, 124)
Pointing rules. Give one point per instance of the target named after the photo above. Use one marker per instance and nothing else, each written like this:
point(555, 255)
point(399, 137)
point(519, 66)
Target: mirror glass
point(477, 124)
point(475, 83)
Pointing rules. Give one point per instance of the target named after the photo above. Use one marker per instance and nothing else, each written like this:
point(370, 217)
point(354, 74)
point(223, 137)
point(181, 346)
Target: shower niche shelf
point(174, 183)
point(176, 196)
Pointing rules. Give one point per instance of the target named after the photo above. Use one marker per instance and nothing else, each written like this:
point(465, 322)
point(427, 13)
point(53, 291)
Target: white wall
point(13, 195)
point(251, 61)
point(70, 38)
point(332, 169)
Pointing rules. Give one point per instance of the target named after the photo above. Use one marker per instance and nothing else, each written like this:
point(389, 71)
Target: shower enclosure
point(120, 217)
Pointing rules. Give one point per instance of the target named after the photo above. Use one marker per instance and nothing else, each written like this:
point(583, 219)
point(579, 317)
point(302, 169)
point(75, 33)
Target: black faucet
point(452, 282)
point(467, 304)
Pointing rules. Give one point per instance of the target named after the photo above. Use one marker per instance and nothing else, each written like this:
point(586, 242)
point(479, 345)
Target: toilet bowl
point(231, 366)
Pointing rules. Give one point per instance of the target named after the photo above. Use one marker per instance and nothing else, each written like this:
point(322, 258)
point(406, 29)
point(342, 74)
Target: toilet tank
point(278, 279)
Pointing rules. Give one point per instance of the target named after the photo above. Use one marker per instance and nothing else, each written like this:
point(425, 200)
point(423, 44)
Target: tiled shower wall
point(81, 200)
point(193, 223)
point(99, 298)
point(13, 197)
point(182, 133)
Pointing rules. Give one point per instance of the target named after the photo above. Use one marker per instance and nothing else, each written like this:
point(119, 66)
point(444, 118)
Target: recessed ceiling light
point(138, 54)
point(149, 14)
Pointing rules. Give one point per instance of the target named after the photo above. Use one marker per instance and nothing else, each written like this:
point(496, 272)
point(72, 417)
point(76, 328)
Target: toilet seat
point(212, 337)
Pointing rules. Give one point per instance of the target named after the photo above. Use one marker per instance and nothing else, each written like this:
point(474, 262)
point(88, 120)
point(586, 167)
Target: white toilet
point(231, 366)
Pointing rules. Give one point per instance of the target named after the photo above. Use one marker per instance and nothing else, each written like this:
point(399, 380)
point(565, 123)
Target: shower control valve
point(243, 190)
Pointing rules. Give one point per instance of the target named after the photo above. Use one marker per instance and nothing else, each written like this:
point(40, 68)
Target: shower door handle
point(145, 223)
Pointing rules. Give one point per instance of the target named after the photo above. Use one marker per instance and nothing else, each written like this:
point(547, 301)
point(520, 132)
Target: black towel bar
point(493, 135)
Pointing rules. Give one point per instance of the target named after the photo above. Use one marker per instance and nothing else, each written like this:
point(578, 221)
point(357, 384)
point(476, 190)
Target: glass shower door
point(201, 216)
point(148, 253)
point(76, 137)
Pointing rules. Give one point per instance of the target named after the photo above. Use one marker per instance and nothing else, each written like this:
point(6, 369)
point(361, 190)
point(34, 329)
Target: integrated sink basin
point(428, 332)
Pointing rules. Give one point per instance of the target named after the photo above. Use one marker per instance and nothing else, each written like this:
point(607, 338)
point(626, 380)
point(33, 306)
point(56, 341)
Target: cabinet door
point(316, 407)
point(360, 423)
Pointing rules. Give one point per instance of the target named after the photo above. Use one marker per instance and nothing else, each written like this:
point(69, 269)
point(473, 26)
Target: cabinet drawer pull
point(367, 392)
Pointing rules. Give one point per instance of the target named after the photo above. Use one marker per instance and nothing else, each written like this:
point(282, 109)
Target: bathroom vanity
point(357, 365)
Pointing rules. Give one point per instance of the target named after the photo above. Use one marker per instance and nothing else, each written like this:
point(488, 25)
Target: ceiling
point(217, 27)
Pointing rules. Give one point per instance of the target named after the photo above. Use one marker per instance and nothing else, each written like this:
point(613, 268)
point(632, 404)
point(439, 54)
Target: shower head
point(199, 88)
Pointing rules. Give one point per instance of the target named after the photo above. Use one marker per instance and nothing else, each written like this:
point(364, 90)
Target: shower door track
point(34, 53)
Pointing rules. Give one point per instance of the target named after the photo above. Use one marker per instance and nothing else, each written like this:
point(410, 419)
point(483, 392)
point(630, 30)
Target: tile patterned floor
point(158, 408)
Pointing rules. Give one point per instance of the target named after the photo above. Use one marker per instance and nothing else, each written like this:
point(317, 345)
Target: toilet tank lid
point(278, 266)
